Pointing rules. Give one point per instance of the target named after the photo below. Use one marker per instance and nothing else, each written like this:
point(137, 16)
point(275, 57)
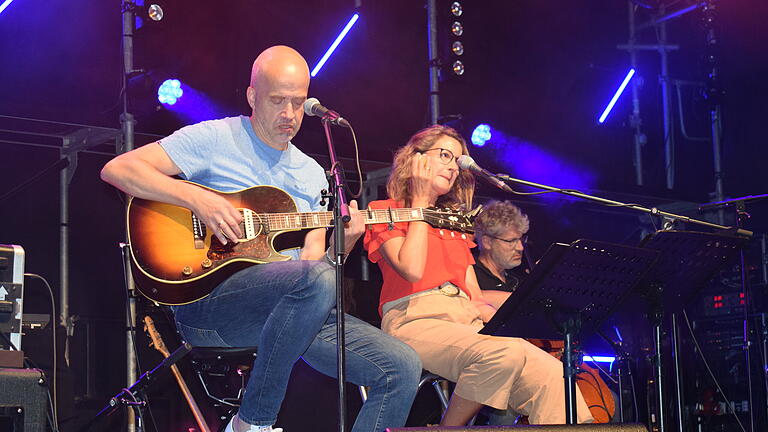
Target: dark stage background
point(539, 73)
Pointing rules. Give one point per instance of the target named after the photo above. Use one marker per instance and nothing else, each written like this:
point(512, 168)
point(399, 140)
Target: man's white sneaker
point(252, 428)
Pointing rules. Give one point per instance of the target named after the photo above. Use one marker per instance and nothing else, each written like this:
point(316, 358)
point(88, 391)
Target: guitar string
point(288, 220)
point(324, 219)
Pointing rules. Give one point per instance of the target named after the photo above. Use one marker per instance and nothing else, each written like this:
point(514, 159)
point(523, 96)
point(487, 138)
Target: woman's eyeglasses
point(446, 156)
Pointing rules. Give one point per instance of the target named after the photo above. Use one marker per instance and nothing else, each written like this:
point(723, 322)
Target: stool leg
point(364, 393)
point(442, 392)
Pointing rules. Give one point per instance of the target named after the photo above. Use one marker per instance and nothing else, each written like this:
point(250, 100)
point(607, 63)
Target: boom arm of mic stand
point(611, 203)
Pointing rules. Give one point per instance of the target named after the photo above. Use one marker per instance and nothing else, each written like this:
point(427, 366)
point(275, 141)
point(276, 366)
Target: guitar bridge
point(247, 226)
point(198, 232)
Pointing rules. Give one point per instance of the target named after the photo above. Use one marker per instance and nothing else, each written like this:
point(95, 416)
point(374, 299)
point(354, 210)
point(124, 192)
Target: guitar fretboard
point(294, 221)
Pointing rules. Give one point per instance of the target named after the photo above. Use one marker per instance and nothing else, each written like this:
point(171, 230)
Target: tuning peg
point(476, 211)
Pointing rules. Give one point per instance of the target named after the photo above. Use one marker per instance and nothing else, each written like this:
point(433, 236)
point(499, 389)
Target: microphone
point(312, 107)
point(467, 163)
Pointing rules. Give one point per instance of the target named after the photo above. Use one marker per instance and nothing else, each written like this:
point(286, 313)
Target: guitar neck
point(298, 221)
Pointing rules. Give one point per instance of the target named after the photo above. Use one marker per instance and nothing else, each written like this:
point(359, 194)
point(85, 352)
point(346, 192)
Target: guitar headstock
point(449, 219)
point(157, 340)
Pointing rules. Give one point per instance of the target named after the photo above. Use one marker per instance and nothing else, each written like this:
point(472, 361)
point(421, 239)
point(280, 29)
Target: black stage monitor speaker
point(23, 400)
point(608, 427)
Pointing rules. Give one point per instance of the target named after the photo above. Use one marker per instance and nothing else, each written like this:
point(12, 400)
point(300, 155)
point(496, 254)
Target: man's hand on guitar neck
point(352, 230)
point(218, 215)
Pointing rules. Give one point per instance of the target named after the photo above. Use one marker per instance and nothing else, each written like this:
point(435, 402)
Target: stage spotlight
point(5, 4)
point(335, 44)
point(457, 48)
point(457, 29)
point(456, 9)
point(155, 12)
point(458, 67)
point(616, 96)
point(169, 91)
point(481, 135)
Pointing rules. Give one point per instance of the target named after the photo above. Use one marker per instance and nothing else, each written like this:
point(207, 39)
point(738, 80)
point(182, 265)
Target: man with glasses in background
point(500, 234)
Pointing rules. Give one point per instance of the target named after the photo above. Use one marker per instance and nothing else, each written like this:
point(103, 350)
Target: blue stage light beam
point(481, 135)
point(335, 44)
point(5, 4)
point(169, 91)
point(600, 359)
point(616, 96)
point(618, 333)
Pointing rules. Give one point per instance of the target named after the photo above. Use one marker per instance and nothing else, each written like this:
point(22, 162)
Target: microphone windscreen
point(465, 162)
point(309, 104)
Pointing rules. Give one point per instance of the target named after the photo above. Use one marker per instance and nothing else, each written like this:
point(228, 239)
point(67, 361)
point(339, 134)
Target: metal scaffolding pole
point(635, 120)
point(434, 63)
point(127, 123)
point(666, 105)
point(659, 23)
point(663, 48)
point(64, 316)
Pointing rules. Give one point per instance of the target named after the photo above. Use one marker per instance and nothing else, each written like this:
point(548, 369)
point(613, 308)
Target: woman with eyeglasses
point(430, 298)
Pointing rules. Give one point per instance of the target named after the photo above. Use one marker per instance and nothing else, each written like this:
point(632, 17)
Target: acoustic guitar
point(177, 260)
point(595, 391)
point(157, 342)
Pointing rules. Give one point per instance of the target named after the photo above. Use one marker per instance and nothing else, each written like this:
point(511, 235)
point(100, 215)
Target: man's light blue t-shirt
point(227, 155)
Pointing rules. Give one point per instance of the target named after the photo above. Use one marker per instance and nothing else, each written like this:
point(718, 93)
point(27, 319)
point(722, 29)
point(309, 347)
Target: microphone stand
point(667, 216)
point(132, 396)
point(669, 219)
point(340, 216)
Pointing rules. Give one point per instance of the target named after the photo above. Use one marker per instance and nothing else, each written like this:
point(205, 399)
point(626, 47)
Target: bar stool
point(223, 374)
point(438, 383)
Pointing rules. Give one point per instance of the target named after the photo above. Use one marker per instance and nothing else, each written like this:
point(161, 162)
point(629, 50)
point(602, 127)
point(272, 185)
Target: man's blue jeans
point(287, 309)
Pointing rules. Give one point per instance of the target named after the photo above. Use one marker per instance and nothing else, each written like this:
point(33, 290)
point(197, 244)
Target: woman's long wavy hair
point(399, 182)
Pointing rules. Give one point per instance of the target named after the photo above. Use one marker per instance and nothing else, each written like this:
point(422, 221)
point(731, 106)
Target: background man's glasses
point(512, 242)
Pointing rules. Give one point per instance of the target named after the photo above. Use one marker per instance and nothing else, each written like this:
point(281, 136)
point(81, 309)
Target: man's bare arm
point(146, 173)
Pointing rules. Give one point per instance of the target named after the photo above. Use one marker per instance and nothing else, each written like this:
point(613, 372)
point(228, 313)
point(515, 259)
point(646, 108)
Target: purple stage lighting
point(5, 4)
point(616, 96)
point(169, 91)
point(530, 161)
point(335, 44)
point(195, 107)
point(481, 135)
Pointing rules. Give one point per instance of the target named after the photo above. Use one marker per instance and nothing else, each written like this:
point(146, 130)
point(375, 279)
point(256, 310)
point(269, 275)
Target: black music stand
point(571, 291)
point(687, 261)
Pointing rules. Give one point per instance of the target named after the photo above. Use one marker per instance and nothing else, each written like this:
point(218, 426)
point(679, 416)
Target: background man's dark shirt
point(488, 281)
